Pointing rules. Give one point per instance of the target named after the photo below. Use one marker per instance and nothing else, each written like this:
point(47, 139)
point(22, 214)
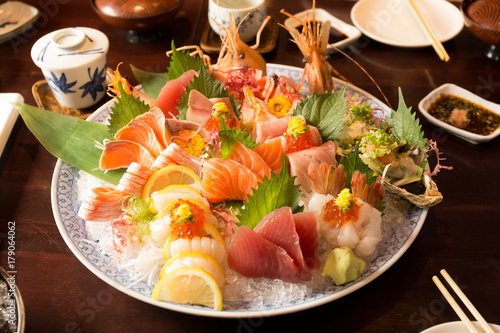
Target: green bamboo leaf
point(71, 139)
point(150, 81)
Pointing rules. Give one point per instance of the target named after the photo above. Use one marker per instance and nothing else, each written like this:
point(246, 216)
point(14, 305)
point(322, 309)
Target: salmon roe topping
point(186, 219)
point(294, 143)
point(334, 214)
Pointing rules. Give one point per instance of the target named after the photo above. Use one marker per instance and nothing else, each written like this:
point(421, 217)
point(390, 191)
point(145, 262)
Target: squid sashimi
point(271, 152)
point(249, 158)
point(251, 255)
point(140, 132)
point(119, 154)
point(278, 227)
point(299, 162)
point(224, 179)
point(306, 227)
point(102, 203)
point(174, 154)
point(171, 92)
point(134, 179)
point(156, 120)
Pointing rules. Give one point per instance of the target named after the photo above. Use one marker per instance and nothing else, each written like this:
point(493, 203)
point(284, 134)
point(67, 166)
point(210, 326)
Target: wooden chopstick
point(461, 314)
point(436, 44)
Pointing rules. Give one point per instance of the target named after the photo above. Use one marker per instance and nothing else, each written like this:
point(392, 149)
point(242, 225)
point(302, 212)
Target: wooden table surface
point(460, 234)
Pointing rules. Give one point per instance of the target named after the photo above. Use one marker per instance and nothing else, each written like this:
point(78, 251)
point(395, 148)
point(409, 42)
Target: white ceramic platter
point(65, 205)
point(458, 327)
point(452, 89)
point(392, 21)
point(322, 15)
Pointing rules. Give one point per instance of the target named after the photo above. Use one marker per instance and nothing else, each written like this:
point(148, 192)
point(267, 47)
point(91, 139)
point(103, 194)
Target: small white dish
point(392, 21)
point(322, 15)
point(8, 116)
point(451, 89)
point(16, 17)
point(458, 327)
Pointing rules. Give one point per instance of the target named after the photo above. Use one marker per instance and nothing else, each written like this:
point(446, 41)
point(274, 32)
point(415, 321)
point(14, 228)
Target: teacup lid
point(69, 48)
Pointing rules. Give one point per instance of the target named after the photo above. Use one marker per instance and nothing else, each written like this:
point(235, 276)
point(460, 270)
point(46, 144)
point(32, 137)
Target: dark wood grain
point(460, 234)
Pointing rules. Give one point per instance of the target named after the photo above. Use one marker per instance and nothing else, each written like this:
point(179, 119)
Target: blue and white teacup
point(73, 61)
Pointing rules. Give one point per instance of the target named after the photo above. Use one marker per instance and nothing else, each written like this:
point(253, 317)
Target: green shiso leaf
point(181, 62)
point(229, 136)
point(324, 111)
point(405, 126)
point(126, 108)
point(71, 139)
point(207, 85)
point(352, 163)
point(275, 192)
point(150, 81)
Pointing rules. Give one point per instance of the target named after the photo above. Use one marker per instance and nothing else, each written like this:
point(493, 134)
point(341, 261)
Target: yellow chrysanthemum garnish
point(345, 200)
point(279, 106)
point(220, 110)
point(297, 126)
point(184, 213)
point(193, 144)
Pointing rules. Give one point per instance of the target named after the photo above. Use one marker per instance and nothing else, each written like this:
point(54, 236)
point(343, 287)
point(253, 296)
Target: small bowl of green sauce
point(462, 113)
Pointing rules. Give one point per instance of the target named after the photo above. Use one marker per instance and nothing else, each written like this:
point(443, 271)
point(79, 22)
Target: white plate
point(16, 17)
point(392, 21)
point(458, 327)
point(8, 116)
point(65, 205)
point(451, 89)
point(322, 15)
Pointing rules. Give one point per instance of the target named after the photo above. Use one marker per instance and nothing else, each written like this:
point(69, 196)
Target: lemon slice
point(163, 198)
point(189, 285)
point(170, 175)
point(195, 259)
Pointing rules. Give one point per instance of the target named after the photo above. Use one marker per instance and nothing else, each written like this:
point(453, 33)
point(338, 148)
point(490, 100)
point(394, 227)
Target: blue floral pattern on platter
point(65, 203)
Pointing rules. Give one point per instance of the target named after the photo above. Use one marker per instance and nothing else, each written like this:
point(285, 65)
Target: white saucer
point(8, 116)
point(458, 327)
point(392, 21)
point(16, 17)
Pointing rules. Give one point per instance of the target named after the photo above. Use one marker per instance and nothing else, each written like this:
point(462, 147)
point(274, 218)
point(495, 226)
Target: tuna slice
point(278, 227)
point(247, 157)
point(119, 154)
point(140, 132)
point(265, 130)
point(305, 225)
point(225, 179)
point(200, 107)
point(171, 92)
point(253, 256)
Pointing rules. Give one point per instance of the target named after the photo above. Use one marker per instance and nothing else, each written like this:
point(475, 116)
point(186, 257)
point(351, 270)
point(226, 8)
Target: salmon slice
point(134, 179)
point(101, 204)
point(171, 92)
point(305, 225)
point(299, 162)
point(249, 158)
point(224, 179)
point(156, 120)
point(271, 152)
point(251, 255)
point(278, 227)
point(140, 132)
point(174, 154)
point(119, 154)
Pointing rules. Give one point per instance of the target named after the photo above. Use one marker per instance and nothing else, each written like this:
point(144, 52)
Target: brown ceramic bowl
point(482, 17)
point(136, 15)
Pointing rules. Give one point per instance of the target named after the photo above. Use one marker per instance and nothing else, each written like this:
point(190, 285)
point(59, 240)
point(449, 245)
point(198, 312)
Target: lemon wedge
point(189, 285)
point(170, 175)
point(195, 259)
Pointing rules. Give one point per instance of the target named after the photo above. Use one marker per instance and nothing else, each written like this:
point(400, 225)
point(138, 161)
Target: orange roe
point(187, 227)
point(213, 123)
point(297, 143)
point(333, 214)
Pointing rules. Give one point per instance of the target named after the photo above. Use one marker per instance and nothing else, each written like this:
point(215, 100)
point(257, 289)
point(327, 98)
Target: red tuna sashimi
point(140, 132)
point(171, 92)
point(174, 154)
point(249, 158)
point(271, 152)
point(119, 154)
point(253, 256)
point(299, 162)
point(305, 225)
point(156, 120)
point(225, 179)
point(278, 227)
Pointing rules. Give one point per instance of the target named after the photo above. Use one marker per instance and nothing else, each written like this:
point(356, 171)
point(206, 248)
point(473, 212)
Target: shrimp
point(254, 109)
point(372, 195)
point(117, 79)
point(326, 179)
point(207, 245)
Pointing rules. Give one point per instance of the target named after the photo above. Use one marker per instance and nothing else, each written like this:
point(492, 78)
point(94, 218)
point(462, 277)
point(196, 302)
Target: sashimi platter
point(239, 189)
